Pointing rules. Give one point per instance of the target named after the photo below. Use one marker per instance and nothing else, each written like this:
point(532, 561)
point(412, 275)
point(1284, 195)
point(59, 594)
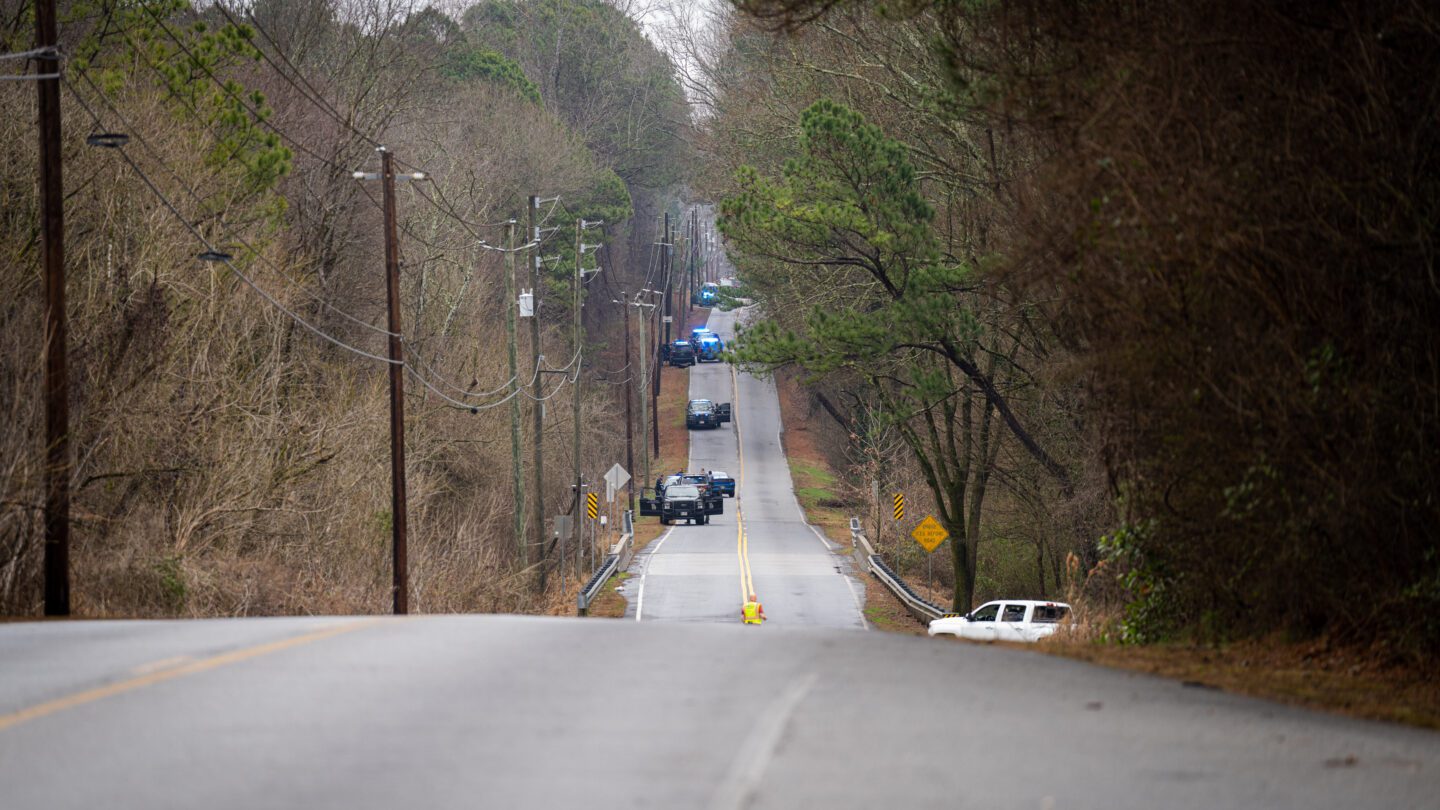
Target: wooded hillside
point(1188, 247)
point(229, 421)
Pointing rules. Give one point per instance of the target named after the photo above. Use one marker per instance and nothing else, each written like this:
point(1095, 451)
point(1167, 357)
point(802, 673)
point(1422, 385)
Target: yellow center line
point(156, 666)
point(152, 678)
point(742, 540)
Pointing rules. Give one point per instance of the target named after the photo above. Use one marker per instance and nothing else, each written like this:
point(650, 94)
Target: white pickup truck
point(1005, 620)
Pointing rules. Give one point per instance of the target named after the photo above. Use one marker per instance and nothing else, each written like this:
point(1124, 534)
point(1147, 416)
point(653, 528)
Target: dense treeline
point(1196, 242)
point(226, 458)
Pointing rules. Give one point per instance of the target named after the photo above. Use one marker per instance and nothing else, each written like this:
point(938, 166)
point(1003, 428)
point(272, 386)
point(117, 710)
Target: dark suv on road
point(679, 354)
point(702, 413)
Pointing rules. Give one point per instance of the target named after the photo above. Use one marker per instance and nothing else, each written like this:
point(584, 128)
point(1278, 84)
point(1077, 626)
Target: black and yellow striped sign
point(592, 504)
point(899, 507)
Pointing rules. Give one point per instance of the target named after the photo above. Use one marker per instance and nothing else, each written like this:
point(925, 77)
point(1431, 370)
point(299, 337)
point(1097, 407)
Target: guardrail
point(865, 556)
point(617, 560)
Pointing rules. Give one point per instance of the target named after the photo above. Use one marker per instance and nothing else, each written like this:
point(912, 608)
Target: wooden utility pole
point(669, 314)
point(538, 406)
point(517, 469)
point(57, 386)
point(630, 376)
point(666, 319)
point(654, 384)
point(644, 380)
point(577, 512)
point(691, 259)
point(400, 567)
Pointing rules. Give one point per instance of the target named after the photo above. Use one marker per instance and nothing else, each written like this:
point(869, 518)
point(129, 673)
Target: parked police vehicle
point(680, 354)
point(706, 295)
point(680, 497)
point(708, 348)
point(702, 413)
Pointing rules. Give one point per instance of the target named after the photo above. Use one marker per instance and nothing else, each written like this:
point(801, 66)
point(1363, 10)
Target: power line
point(442, 205)
point(231, 92)
point(211, 248)
point(318, 100)
point(194, 195)
point(288, 138)
point(33, 53)
point(230, 264)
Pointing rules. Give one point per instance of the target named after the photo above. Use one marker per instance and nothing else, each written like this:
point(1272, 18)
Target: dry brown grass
point(1318, 674)
point(227, 462)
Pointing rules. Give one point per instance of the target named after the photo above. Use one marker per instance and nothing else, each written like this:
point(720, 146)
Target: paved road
point(528, 712)
point(701, 573)
point(690, 711)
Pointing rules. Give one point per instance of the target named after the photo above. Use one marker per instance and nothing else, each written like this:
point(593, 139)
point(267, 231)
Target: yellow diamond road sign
point(930, 534)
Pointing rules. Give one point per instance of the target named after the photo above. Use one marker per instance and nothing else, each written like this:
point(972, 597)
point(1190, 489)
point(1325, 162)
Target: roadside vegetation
point(1138, 301)
point(227, 461)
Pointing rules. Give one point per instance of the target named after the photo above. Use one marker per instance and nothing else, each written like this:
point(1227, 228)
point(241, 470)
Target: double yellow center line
point(742, 541)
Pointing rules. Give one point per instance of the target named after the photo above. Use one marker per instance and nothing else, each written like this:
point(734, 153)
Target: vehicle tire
point(704, 520)
point(664, 521)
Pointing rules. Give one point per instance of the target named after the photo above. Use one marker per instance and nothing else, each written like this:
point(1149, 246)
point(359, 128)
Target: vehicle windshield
point(682, 491)
point(1050, 614)
point(717, 475)
point(700, 406)
point(986, 613)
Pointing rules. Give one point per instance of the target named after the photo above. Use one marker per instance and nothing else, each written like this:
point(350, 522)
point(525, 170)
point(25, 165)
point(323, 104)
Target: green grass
point(814, 485)
point(881, 621)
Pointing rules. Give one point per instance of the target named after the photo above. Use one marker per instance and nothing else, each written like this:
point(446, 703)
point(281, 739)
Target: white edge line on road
point(640, 599)
point(738, 785)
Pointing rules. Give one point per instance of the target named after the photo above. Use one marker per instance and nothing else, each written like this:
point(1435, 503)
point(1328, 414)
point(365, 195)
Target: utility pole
point(400, 589)
point(654, 383)
point(643, 380)
point(399, 518)
point(538, 406)
point(517, 470)
point(629, 399)
point(690, 261)
point(57, 387)
point(669, 313)
point(580, 248)
point(575, 392)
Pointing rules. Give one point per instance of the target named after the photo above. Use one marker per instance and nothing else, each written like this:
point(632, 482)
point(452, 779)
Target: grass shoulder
point(610, 603)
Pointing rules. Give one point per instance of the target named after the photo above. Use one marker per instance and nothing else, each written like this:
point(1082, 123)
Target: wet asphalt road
point(761, 543)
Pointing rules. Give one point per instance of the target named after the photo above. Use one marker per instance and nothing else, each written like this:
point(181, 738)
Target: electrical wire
point(318, 100)
point(442, 205)
point(175, 212)
point(49, 52)
point(315, 97)
point(299, 145)
point(194, 195)
point(232, 93)
point(248, 281)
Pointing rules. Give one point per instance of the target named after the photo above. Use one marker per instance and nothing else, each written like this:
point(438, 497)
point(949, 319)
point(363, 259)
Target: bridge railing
point(617, 560)
point(865, 556)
